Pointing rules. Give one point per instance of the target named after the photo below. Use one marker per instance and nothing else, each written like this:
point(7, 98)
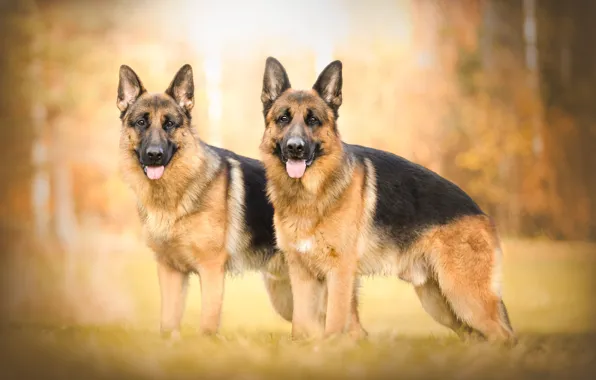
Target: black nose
point(154, 154)
point(295, 146)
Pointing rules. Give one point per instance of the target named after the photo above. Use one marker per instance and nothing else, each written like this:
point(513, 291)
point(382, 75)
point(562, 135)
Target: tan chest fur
point(321, 236)
point(320, 232)
point(184, 240)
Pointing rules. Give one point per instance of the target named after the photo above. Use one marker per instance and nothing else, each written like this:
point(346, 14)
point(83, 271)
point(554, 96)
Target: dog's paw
point(171, 337)
point(358, 333)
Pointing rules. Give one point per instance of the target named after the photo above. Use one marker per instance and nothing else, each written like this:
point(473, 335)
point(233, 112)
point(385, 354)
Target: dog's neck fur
point(315, 195)
point(184, 194)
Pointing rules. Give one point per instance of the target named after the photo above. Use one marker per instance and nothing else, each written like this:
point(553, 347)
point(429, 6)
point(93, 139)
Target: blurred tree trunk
point(56, 80)
point(40, 187)
point(51, 182)
point(212, 68)
point(40, 169)
point(16, 170)
point(17, 132)
point(501, 51)
point(430, 70)
point(568, 68)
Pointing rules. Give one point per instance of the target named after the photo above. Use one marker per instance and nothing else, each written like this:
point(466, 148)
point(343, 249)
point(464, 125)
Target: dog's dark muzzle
point(297, 148)
point(156, 155)
point(154, 158)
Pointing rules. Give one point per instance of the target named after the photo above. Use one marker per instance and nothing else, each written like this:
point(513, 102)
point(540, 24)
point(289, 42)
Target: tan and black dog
point(204, 210)
point(345, 210)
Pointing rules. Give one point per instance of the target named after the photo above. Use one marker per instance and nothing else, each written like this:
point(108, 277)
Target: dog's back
point(409, 197)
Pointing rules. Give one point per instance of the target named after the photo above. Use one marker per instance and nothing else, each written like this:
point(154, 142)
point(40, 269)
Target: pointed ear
point(129, 88)
point(275, 82)
point(329, 83)
point(182, 88)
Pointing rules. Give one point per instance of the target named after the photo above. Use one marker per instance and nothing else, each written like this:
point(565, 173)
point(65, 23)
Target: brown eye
point(283, 119)
point(169, 125)
point(141, 123)
point(312, 121)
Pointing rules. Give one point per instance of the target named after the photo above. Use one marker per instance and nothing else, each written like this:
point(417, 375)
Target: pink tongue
point(296, 168)
point(155, 172)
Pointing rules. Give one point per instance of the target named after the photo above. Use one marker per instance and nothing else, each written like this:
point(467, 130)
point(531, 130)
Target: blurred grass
point(547, 288)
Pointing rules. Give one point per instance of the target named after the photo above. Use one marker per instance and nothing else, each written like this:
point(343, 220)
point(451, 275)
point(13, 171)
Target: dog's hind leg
point(279, 290)
point(435, 304)
point(505, 315)
point(465, 270)
point(355, 328)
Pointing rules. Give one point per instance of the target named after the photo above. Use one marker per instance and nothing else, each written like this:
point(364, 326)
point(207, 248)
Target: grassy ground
point(547, 290)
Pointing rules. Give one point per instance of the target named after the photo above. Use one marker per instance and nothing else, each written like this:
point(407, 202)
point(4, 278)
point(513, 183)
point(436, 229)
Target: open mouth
point(297, 167)
point(154, 172)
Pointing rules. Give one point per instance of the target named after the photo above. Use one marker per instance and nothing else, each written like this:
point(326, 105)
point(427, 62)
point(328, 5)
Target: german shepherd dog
point(204, 210)
point(344, 210)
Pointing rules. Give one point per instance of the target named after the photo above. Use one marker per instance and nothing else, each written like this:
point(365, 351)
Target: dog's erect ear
point(329, 83)
point(182, 88)
point(129, 88)
point(275, 82)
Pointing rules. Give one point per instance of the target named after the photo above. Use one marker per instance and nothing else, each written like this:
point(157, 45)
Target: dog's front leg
point(173, 285)
point(211, 275)
point(340, 285)
point(305, 294)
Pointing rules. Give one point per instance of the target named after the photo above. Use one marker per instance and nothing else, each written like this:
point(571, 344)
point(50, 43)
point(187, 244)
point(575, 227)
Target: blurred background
point(497, 96)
